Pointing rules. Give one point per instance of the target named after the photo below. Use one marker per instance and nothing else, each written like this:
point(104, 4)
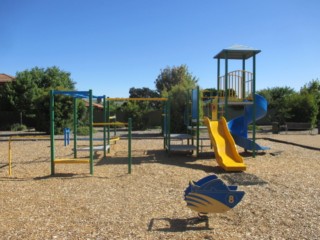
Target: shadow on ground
point(178, 225)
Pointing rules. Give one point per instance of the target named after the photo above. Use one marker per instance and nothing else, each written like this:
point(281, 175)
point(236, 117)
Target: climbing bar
point(102, 124)
point(71, 161)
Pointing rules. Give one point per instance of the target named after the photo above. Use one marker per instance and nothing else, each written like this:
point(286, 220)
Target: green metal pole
point(198, 119)
point(75, 126)
point(243, 79)
point(52, 131)
point(108, 119)
point(226, 79)
point(164, 130)
point(218, 86)
point(169, 126)
point(104, 128)
point(91, 131)
point(129, 145)
point(187, 111)
point(254, 104)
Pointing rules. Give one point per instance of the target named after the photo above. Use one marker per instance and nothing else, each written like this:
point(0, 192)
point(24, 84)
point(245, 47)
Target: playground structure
point(166, 115)
point(105, 147)
point(235, 88)
point(239, 88)
point(106, 125)
point(74, 160)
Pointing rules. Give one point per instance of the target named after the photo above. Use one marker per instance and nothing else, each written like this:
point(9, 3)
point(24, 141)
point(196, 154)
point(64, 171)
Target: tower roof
point(237, 52)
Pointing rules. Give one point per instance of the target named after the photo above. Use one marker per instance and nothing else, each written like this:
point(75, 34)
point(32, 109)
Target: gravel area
point(282, 199)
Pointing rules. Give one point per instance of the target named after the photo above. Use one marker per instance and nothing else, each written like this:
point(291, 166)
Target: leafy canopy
point(29, 95)
point(172, 76)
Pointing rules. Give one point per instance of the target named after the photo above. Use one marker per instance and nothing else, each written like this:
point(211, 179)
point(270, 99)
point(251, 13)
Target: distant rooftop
point(6, 78)
point(237, 52)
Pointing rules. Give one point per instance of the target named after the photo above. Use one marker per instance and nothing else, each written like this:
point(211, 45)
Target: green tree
point(313, 88)
point(137, 112)
point(142, 93)
point(277, 102)
point(63, 112)
point(172, 76)
point(145, 93)
point(302, 108)
point(28, 94)
point(175, 83)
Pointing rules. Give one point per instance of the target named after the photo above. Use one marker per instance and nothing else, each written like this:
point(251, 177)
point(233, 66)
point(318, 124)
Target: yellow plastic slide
point(225, 150)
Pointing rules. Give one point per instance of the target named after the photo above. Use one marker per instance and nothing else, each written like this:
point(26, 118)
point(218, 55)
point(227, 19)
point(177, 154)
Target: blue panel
point(210, 193)
point(194, 110)
point(76, 94)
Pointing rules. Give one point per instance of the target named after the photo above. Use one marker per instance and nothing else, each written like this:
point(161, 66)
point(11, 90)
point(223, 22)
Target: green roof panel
point(237, 52)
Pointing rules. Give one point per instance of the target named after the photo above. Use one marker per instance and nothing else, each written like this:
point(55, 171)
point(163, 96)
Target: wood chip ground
point(282, 199)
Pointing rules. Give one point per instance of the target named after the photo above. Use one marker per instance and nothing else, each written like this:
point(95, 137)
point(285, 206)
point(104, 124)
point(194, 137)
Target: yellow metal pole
point(10, 157)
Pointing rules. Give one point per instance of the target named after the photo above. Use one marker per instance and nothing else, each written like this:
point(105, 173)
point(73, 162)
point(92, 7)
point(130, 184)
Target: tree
point(170, 77)
point(277, 103)
point(145, 93)
point(175, 83)
point(142, 93)
point(302, 108)
point(313, 88)
point(29, 93)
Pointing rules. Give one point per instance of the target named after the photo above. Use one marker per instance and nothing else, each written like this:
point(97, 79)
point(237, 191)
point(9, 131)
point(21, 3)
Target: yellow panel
point(103, 124)
point(115, 139)
point(205, 204)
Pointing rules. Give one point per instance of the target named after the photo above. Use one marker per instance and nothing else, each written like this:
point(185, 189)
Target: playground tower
point(237, 87)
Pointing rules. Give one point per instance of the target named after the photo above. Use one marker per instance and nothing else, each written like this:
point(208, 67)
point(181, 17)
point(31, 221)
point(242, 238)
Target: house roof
point(6, 78)
point(95, 105)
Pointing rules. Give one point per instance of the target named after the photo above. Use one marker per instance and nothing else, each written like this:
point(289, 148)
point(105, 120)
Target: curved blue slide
point(239, 126)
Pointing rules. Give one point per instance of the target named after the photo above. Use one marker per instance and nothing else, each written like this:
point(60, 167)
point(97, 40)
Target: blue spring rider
point(211, 195)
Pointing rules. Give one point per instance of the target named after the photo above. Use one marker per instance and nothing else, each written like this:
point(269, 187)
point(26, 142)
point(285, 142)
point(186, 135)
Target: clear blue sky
point(110, 46)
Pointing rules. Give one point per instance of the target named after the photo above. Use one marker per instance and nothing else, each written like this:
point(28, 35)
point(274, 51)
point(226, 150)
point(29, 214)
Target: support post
point(10, 158)
point(75, 126)
point(104, 128)
point(226, 79)
point(164, 128)
point(168, 127)
point(218, 93)
point(243, 90)
point(254, 113)
point(52, 131)
point(198, 119)
point(129, 145)
point(108, 118)
point(91, 131)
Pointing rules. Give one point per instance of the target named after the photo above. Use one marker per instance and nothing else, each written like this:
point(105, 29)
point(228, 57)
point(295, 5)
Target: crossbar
point(71, 161)
point(137, 99)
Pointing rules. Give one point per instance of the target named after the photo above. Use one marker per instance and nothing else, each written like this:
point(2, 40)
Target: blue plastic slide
point(239, 126)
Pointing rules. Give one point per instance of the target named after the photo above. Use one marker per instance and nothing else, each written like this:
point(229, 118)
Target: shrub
point(84, 131)
point(18, 127)
point(302, 108)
